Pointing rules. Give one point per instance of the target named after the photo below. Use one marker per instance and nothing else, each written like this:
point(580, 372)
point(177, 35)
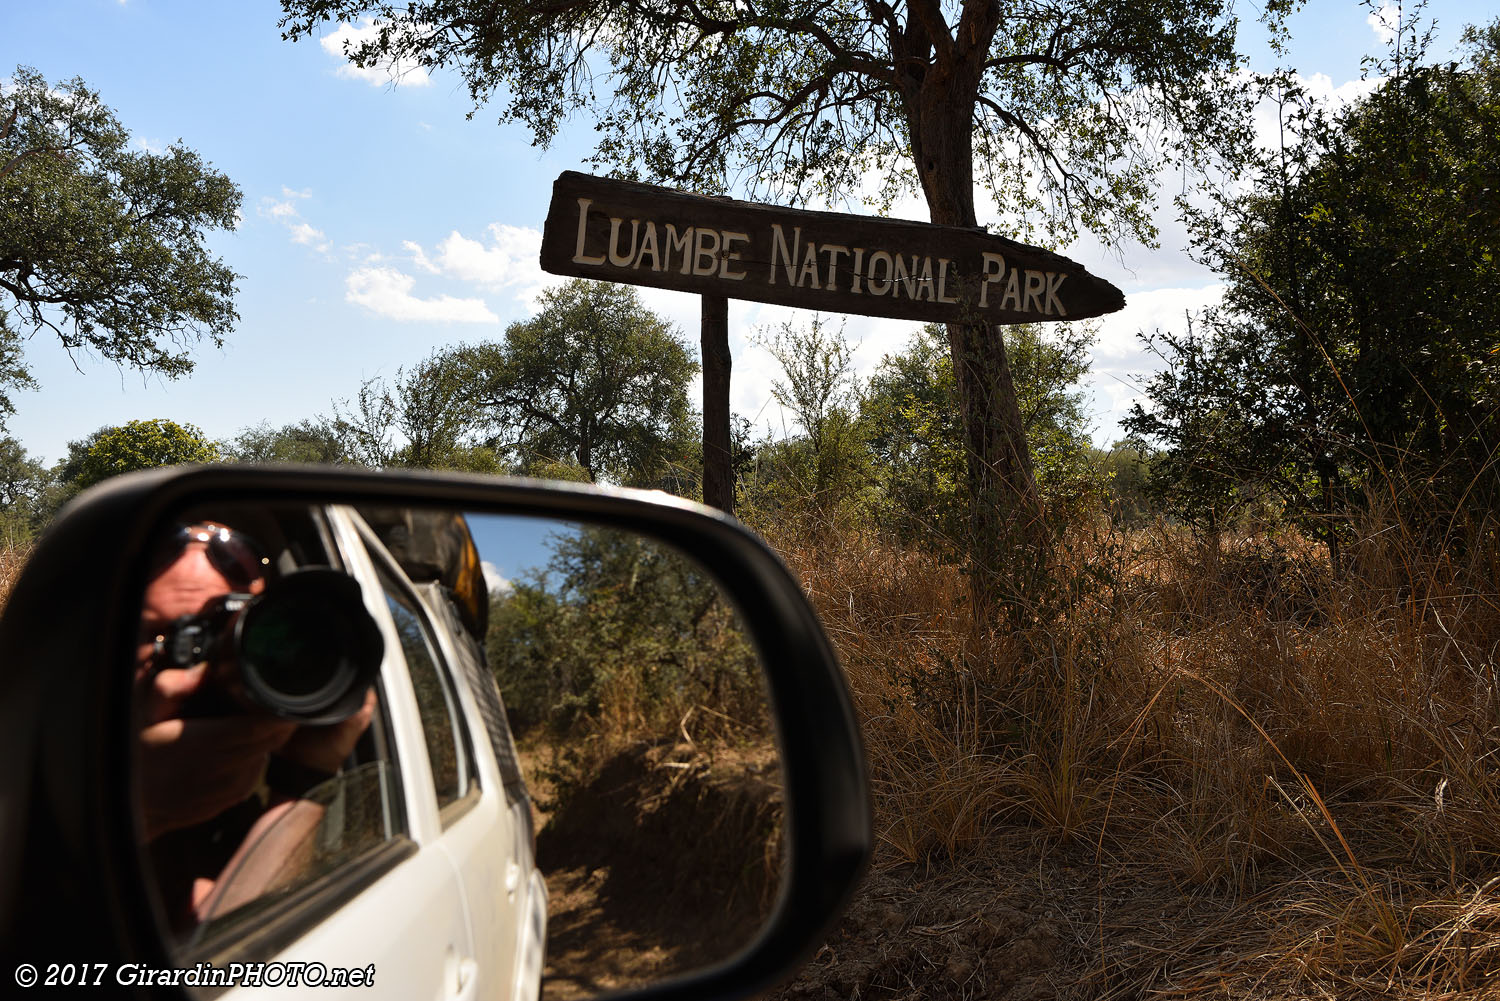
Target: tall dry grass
point(13, 556)
point(1317, 752)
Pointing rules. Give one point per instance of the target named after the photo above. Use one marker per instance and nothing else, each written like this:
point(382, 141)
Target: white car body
point(463, 915)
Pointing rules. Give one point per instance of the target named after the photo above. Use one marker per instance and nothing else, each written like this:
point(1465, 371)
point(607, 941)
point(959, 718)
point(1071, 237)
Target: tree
point(1124, 471)
point(1064, 109)
point(13, 372)
point(825, 471)
point(424, 418)
point(421, 418)
point(25, 485)
point(146, 444)
point(1217, 455)
point(1355, 346)
point(616, 635)
point(911, 416)
point(594, 378)
point(313, 440)
point(101, 244)
point(818, 381)
point(1049, 364)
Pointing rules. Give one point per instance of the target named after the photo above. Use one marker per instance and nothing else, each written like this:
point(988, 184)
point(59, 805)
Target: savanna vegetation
point(1238, 733)
point(1244, 743)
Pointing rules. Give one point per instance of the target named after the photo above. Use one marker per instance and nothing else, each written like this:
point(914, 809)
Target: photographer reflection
point(223, 784)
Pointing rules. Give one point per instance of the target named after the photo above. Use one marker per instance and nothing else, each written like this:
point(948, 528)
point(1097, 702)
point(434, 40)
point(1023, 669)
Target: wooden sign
point(642, 235)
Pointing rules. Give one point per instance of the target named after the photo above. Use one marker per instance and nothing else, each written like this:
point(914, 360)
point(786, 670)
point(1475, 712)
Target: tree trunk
point(586, 457)
point(1009, 540)
point(718, 476)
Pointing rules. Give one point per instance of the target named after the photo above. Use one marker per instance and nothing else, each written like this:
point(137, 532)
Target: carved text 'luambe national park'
point(641, 235)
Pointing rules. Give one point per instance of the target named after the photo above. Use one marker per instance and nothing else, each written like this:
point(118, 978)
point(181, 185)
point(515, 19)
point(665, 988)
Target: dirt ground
point(665, 860)
point(1035, 922)
point(1025, 927)
point(652, 873)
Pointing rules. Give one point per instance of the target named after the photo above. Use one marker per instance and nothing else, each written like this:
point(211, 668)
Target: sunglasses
point(233, 554)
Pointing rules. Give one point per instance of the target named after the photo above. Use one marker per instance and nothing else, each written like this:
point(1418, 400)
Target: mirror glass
point(436, 747)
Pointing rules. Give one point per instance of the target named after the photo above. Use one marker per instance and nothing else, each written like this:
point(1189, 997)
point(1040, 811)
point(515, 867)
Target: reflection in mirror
point(639, 706)
point(339, 710)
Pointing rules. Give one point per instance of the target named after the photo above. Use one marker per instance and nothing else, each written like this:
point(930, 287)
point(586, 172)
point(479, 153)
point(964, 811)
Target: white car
point(425, 848)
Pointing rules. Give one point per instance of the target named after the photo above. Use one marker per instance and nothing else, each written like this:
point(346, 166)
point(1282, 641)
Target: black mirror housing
point(71, 880)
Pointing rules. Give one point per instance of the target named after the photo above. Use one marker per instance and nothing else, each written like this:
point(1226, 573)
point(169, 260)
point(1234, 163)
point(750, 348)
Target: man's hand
point(324, 748)
point(194, 769)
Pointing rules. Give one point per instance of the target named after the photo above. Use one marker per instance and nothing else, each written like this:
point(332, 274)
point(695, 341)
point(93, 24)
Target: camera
point(304, 649)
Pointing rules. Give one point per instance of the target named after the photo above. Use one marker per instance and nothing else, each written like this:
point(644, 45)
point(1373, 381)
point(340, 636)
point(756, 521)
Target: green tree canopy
point(1357, 342)
point(101, 244)
point(593, 378)
point(312, 440)
point(145, 444)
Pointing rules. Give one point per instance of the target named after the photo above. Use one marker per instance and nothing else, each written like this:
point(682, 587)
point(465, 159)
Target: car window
point(331, 825)
point(470, 666)
point(442, 724)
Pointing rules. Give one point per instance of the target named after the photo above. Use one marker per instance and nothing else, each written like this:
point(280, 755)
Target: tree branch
point(935, 31)
point(16, 160)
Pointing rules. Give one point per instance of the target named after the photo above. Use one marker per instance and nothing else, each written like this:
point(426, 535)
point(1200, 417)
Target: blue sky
point(380, 224)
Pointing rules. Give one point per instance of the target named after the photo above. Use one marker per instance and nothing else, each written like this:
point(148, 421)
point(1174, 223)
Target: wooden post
point(718, 476)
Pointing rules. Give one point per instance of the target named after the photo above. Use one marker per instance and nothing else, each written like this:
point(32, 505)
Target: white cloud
point(1384, 20)
point(306, 234)
point(286, 213)
point(1163, 308)
point(498, 585)
point(387, 292)
point(153, 146)
point(1122, 364)
point(348, 36)
point(1321, 87)
point(507, 261)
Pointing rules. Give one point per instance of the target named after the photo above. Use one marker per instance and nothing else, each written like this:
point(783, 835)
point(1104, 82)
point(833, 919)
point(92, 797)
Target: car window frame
point(459, 713)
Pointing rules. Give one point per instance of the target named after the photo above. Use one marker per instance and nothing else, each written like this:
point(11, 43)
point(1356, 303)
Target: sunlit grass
point(1318, 751)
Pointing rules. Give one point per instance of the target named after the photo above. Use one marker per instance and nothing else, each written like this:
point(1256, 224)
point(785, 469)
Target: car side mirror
point(319, 649)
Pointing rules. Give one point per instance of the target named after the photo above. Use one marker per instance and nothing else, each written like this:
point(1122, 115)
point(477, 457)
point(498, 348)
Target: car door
point(489, 839)
point(478, 835)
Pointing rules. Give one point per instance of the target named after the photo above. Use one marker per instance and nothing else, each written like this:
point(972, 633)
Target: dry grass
point(13, 556)
point(1277, 781)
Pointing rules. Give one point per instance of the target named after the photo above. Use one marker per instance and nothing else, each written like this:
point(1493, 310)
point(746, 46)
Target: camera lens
point(292, 650)
point(308, 648)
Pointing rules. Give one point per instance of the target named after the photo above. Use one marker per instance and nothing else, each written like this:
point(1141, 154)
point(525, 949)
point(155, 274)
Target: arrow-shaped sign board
point(642, 235)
